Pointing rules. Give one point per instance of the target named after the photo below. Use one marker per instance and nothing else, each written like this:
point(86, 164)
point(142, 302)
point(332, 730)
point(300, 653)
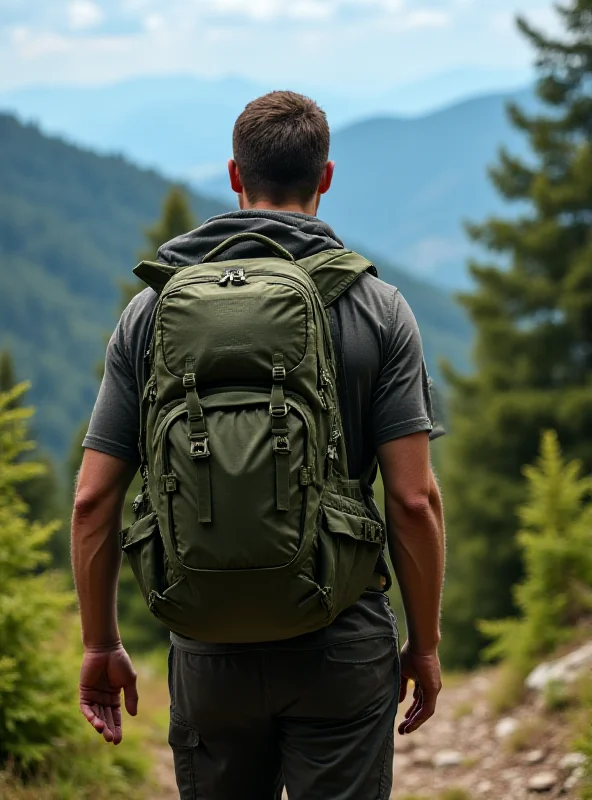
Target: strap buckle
point(170, 483)
point(281, 444)
point(332, 452)
point(279, 374)
point(372, 531)
point(279, 411)
point(189, 380)
point(199, 445)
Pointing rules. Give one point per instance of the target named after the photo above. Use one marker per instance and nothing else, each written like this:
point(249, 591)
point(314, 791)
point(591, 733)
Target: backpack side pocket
point(142, 544)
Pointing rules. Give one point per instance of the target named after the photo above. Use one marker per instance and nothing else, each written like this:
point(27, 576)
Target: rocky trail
point(466, 748)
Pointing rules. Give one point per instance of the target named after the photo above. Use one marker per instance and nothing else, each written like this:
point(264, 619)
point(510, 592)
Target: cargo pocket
point(143, 547)
point(184, 741)
point(349, 544)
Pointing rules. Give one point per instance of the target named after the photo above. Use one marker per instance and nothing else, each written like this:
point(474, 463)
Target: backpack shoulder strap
point(155, 274)
point(334, 271)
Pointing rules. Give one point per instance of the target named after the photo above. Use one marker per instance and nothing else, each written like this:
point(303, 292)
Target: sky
point(347, 46)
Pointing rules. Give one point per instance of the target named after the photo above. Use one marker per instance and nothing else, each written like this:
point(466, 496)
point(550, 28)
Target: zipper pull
point(234, 275)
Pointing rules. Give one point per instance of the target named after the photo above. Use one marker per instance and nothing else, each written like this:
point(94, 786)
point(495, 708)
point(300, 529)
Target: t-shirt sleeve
point(401, 403)
point(115, 423)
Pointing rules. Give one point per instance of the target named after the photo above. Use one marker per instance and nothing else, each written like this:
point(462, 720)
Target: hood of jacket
point(300, 234)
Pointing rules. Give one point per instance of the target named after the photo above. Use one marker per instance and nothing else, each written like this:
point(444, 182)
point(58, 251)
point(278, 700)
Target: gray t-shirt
point(383, 387)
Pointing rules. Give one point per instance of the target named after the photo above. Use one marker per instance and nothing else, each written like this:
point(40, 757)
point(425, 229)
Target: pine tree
point(7, 373)
point(556, 542)
point(533, 352)
point(42, 492)
point(35, 692)
point(177, 218)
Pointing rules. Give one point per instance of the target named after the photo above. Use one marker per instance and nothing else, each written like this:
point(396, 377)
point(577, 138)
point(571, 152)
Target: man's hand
point(424, 671)
point(105, 672)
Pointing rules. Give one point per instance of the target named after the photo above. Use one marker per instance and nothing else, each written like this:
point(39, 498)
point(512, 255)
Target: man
point(314, 713)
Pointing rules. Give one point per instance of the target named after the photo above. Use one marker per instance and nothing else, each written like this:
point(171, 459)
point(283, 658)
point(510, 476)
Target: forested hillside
point(71, 224)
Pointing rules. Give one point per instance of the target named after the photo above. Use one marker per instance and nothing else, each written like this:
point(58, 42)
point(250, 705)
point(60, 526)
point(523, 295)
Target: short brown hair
point(281, 147)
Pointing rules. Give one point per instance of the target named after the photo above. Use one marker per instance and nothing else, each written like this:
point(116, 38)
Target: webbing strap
point(278, 411)
point(281, 447)
point(199, 443)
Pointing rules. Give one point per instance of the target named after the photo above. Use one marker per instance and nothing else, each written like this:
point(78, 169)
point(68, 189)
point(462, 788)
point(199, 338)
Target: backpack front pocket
point(254, 513)
point(143, 547)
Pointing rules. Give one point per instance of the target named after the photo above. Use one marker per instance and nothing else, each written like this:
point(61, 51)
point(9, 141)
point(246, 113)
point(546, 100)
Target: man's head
point(281, 151)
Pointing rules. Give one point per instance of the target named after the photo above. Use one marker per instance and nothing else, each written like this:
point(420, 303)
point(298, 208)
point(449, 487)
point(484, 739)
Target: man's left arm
point(96, 560)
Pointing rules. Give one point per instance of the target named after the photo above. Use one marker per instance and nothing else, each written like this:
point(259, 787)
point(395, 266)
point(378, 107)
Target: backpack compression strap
point(334, 271)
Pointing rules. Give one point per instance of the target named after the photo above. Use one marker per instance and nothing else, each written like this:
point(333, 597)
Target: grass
point(525, 735)
point(452, 680)
point(153, 710)
point(581, 723)
point(455, 794)
point(90, 769)
point(507, 690)
point(447, 794)
point(415, 797)
point(463, 709)
point(557, 696)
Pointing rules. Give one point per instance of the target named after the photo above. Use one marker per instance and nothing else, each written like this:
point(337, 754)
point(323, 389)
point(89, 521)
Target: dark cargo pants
point(320, 721)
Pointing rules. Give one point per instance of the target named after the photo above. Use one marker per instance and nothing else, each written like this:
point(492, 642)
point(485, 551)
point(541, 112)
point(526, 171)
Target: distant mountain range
point(182, 124)
point(403, 185)
point(71, 224)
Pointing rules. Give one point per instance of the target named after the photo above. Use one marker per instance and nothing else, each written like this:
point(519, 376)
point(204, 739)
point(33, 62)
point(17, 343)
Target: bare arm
point(96, 560)
point(415, 528)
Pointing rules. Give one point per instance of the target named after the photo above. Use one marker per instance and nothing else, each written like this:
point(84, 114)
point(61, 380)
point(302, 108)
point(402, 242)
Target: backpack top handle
point(244, 237)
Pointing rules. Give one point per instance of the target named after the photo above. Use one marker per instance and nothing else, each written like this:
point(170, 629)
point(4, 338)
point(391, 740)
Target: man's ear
point(327, 178)
point(235, 181)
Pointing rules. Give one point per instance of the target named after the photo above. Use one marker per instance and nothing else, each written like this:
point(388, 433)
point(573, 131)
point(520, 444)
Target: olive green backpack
point(247, 528)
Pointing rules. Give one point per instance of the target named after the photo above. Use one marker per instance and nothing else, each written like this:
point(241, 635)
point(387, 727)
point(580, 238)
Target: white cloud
point(84, 14)
point(19, 35)
point(426, 18)
point(153, 22)
point(269, 10)
point(395, 41)
point(310, 9)
point(256, 9)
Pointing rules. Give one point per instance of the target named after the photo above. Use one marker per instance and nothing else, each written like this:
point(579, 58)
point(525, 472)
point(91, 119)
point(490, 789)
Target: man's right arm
point(415, 528)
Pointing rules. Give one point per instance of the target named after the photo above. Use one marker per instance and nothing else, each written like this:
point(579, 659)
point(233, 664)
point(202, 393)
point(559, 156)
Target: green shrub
point(556, 543)
point(47, 750)
point(34, 692)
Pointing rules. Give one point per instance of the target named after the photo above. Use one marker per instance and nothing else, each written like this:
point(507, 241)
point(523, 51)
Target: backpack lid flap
point(155, 274)
point(334, 271)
